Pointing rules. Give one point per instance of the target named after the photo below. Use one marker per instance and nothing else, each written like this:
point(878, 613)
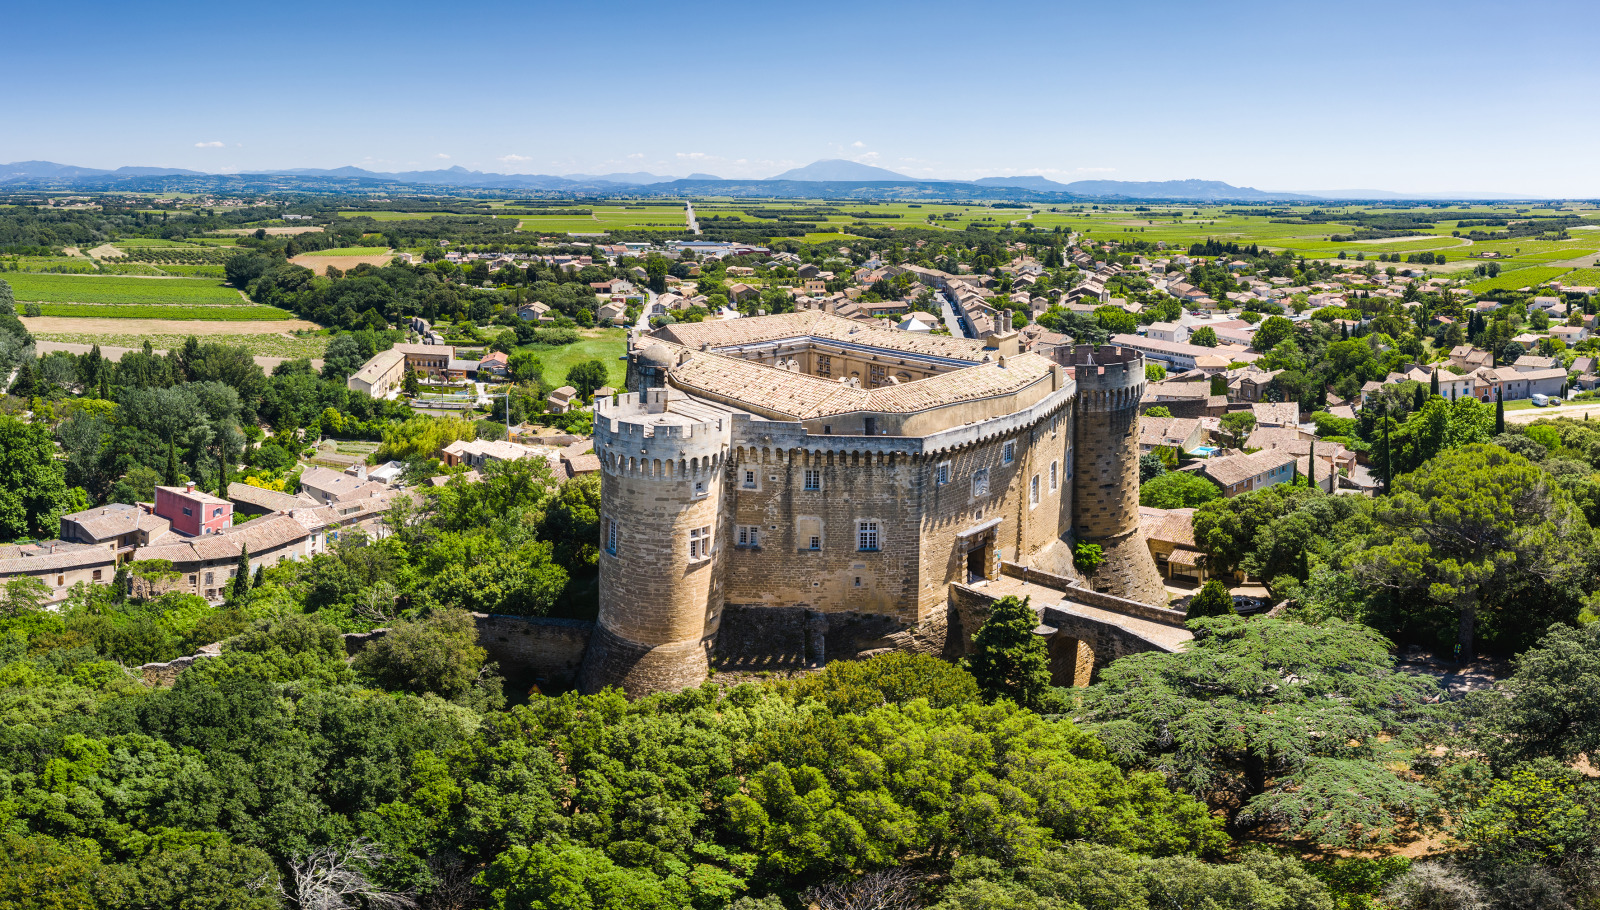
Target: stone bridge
point(1086, 630)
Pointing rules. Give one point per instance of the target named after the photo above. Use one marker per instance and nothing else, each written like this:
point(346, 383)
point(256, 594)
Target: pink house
point(193, 512)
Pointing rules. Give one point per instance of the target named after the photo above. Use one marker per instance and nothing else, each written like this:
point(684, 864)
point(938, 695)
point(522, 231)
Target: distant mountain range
point(839, 170)
point(831, 178)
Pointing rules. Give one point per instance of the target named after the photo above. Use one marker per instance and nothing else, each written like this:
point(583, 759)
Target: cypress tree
point(171, 479)
point(261, 575)
point(222, 472)
point(241, 578)
point(1499, 413)
point(1419, 399)
point(1433, 383)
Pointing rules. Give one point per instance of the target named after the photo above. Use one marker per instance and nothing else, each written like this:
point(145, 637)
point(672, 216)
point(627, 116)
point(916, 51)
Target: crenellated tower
point(662, 462)
point(1106, 469)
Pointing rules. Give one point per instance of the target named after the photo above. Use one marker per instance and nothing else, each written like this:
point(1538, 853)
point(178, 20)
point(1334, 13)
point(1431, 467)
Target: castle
point(808, 460)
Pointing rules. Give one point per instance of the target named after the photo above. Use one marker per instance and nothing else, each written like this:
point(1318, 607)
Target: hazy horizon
point(1287, 99)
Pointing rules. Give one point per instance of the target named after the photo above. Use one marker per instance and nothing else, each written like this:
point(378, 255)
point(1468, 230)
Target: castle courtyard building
point(804, 460)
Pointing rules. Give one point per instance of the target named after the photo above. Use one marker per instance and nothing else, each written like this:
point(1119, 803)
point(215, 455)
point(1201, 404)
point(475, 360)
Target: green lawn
point(121, 290)
point(605, 345)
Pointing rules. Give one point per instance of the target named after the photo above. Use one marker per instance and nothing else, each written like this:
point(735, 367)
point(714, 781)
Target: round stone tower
point(661, 546)
point(1106, 470)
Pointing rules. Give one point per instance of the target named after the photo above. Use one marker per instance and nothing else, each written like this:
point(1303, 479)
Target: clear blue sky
point(1413, 96)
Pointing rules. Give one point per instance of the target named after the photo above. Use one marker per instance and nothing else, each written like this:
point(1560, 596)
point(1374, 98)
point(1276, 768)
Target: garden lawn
point(605, 345)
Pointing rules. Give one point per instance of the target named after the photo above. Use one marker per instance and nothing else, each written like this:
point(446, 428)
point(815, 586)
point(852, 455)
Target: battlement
point(660, 433)
point(1108, 377)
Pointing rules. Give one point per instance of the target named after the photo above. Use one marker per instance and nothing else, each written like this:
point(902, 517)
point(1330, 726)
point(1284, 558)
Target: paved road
point(688, 214)
point(949, 314)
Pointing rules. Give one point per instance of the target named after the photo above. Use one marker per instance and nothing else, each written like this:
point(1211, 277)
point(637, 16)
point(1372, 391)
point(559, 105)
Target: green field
point(605, 345)
point(352, 251)
point(119, 290)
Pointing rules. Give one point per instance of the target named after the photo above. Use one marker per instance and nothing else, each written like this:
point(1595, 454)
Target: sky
point(1406, 95)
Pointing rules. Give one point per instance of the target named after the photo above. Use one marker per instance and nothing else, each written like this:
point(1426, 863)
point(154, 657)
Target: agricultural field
point(244, 313)
point(341, 259)
point(391, 216)
point(1582, 278)
point(263, 344)
point(351, 251)
point(1517, 278)
point(607, 218)
point(113, 290)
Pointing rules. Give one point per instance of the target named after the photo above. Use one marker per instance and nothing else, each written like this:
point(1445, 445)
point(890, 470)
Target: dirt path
point(1578, 410)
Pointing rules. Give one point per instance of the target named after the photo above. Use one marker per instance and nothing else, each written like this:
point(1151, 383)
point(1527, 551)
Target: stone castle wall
point(661, 487)
point(1110, 384)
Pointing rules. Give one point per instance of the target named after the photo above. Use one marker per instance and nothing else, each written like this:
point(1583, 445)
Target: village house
point(1170, 535)
point(59, 565)
point(193, 512)
point(562, 400)
point(1173, 434)
point(1237, 474)
point(118, 526)
point(329, 486)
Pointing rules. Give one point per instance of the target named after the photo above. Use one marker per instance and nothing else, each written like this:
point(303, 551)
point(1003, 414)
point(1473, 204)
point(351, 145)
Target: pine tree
point(171, 479)
point(25, 386)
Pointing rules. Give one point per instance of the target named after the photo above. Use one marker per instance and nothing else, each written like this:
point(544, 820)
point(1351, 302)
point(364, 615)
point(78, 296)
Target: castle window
point(867, 535)
point(808, 531)
point(980, 482)
point(1033, 491)
point(942, 473)
point(749, 480)
point(870, 426)
point(749, 535)
point(1055, 481)
point(96, 574)
point(611, 536)
point(209, 576)
point(1008, 452)
point(813, 479)
point(700, 543)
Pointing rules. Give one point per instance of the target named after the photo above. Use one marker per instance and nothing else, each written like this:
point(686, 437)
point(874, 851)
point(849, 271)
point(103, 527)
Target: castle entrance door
point(980, 559)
